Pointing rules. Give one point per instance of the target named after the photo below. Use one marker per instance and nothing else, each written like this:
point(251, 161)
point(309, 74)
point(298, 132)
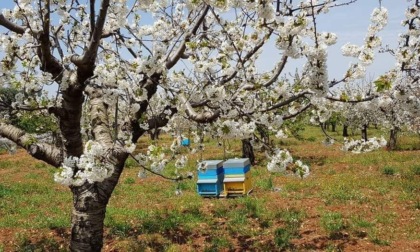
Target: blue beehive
point(185, 142)
point(211, 170)
point(238, 166)
point(210, 179)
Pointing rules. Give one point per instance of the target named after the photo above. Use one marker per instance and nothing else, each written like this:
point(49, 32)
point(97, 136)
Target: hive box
point(237, 179)
point(236, 166)
point(185, 142)
point(214, 168)
point(210, 180)
point(237, 184)
point(210, 187)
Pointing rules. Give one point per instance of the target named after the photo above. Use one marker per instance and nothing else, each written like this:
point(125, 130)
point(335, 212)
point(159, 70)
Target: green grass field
point(350, 202)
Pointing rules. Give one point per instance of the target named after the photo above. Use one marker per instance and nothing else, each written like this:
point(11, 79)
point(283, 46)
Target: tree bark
point(345, 130)
point(89, 207)
point(392, 143)
point(87, 222)
point(364, 132)
point(334, 127)
point(154, 134)
point(263, 131)
point(248, 150)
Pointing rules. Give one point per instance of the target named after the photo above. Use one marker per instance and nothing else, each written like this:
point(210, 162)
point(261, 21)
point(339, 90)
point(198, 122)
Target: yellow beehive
point(237, 184)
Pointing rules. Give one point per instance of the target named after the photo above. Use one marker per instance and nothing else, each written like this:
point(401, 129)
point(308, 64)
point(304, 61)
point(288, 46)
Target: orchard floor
point(349, 202)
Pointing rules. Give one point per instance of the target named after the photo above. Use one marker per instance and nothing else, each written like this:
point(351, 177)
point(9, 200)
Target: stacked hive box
point(237, 179)
point(210, 179)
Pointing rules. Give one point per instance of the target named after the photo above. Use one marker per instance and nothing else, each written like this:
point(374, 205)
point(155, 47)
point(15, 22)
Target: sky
point(350, 23)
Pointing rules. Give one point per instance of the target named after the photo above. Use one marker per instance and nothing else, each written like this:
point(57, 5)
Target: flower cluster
point(365, 53)
point(157, 158)
point(359, 146)
point(301, 169)
point(282, 159)
point(90, 167)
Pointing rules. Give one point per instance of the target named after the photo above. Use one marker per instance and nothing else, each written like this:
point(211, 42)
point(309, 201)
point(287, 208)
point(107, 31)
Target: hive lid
point(206, 181)
point(213, 164)
point(237, 179)
point(236, 163)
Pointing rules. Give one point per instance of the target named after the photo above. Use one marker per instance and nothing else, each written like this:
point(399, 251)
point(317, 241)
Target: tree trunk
point(89, 207)
point(248, 150)
point(263, 131)
point(87, 223)
point(345, 130)
point(334, 127)
point(392, 143)
point(265, 136)
point(154, 134)
point(364, 132)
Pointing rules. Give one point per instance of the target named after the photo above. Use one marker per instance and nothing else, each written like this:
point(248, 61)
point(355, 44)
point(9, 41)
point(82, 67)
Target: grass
point(333, 223)
point(363, 196)
point(389, 170)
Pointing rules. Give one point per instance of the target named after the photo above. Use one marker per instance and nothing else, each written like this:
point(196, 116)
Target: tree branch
point(90, 54)
point(42, 151)
point(204, 117)
point(277, 72)
point(352, 101)
point(288, 101)
point(12, 27)
point(99, 116)
point(48, 62)
point(92, 17)
point(181, 50)
point(297, 113)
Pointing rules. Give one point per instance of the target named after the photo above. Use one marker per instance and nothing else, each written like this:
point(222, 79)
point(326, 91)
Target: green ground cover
point(350, 202)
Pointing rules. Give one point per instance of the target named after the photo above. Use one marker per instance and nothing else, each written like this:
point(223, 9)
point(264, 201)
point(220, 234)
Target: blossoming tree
point(110, 60)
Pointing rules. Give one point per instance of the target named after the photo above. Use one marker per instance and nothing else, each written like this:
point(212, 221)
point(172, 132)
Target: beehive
point(210, 180)
point(185, 142)
point(237, 179)
point(236, 166)
point(213, 168)
point(237, 184)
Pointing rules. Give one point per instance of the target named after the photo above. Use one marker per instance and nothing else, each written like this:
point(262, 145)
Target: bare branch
point(277, 72)
point(203, 117)
point(11, 26)
point(92, 17)
point(99, 116)
point(352, 101)
point(41, 151)
point(297, 113)
point(48, 62)
point(286, 102)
